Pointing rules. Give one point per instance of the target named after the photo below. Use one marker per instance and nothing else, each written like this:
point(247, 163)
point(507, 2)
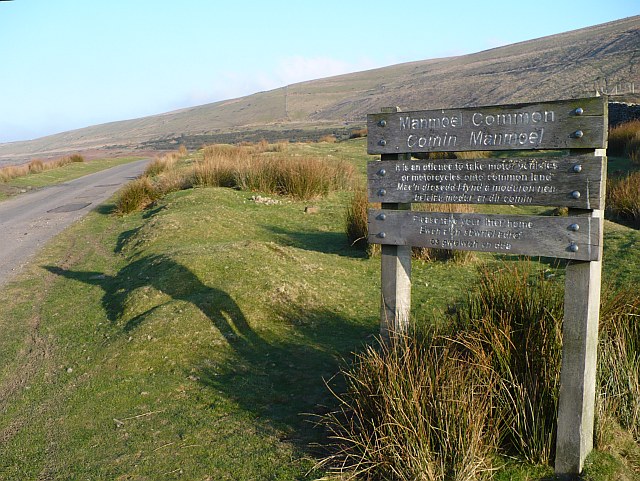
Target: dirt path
point(29, 221)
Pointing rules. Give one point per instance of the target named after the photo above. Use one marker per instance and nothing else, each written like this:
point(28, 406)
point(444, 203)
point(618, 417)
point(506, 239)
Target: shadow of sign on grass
point(324, 242)
point(282, 381)
point(173, 280)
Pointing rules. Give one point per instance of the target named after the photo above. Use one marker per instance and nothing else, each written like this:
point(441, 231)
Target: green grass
point(193, 340)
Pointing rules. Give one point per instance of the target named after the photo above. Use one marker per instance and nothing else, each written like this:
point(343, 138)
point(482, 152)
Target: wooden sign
point(567, 124)
point(549, 181)
point(574, 180)
point(563, 237)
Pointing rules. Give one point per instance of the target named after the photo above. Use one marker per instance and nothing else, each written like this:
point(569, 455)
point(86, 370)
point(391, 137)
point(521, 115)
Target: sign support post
point(395, 268)
point(576, 409)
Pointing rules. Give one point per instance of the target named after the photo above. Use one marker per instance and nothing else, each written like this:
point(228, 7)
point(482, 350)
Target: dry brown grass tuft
point(624, 140)
point(265, 167)
point(359, 133)
point(416, 408)
point(36, 166)
point(623, 198)
point(136, 196)
point(330, 139)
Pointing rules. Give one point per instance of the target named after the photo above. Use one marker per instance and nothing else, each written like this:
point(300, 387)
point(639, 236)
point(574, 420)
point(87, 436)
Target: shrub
point(76, 158)
point(623, 198)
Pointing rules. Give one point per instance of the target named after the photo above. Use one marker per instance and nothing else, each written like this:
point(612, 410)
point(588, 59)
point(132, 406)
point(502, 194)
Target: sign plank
point(571, 181)
point(567, 124)
point(575, 238)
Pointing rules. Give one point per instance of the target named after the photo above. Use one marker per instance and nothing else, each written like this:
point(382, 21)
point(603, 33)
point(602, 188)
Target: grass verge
point(58, 174)
point(193, 339)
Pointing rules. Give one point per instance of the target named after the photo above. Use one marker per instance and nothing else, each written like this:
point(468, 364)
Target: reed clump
point(268, 168)
point(36, 166)
point(261, 167)
point(443, 404)
point(618, 398)
point(160, 177)
point(414, 408)
point(623, 198)
point(624, 140)
point(137, 195)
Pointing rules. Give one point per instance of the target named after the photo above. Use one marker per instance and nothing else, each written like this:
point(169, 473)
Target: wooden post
point(395, 286)
point(395, 304)
point(579, 357)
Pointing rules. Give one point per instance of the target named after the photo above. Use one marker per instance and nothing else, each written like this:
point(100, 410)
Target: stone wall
point(620, 112)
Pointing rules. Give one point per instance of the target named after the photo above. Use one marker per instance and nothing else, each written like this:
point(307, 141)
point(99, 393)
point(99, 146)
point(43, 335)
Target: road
point(29, 221)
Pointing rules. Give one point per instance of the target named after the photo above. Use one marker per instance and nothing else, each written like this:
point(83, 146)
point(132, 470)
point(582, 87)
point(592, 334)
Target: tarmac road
point(29, 221)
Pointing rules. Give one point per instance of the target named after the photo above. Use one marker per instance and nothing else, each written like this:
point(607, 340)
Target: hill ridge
point(567, 65)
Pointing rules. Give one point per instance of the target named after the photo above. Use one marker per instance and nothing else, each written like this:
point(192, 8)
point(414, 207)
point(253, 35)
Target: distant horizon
point(78, 66)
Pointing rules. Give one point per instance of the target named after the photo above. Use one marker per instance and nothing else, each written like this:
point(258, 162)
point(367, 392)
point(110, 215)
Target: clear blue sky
point(68, 64)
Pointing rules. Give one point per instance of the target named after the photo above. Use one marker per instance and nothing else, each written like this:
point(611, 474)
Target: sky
point(67, 64)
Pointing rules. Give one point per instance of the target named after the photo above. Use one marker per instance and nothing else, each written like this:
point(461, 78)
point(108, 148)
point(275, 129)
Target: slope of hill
point(567, 65)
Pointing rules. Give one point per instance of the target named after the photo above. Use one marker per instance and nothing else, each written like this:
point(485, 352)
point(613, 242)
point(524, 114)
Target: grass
point(450, 403)
point(58, 173)
point(414, 409)
point(36, 166)
point(623, 198)
point(624, 140)
point(261, 167)
point(194, 339)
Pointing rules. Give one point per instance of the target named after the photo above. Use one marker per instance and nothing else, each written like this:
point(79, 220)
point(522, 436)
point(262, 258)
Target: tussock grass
point(623, 198)
point(161, 164)
point(330, 139)
point(624, 140)
point(356, 225)
point(137, 195)
point(36, 166)
point(441, 404)
point(619, 363)
point(414, 409)
point(260, 167)
point(516, 316)
point(12, 172)
point(359, 133)
point(267, 168)
point(159, 178)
